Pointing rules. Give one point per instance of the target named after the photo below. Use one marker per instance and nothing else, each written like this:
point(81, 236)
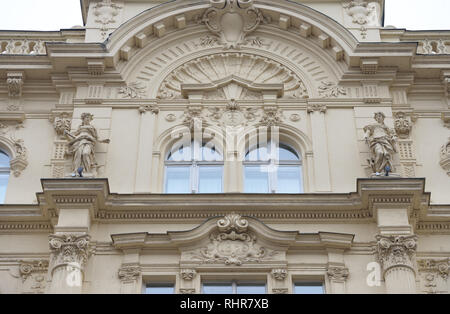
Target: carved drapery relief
point(445, 157)
point(19, 157)
point(106, 12)
point(214, 69)
point(134, 90)
point(129, 273)
point(33, 274)
point(231, 21)
point(396, 251)
point(382, 142)
point(434, 274)
point(69, 250)
point(330, 90)
point(232, 244)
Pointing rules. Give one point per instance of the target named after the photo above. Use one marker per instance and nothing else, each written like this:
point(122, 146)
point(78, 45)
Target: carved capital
point(69, 250)
point(129, 272)
point(188, 274)
point(272, 116)
point(279, 274)
point(14, 82)
point(154, 109)
point(316, 108)
point(28, 268)
point(338, 273)
point(439, 267)
point(396, 251)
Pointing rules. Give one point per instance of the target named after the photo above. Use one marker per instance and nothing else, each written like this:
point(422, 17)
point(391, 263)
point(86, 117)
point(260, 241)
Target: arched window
point(4, 175)
point(194, 168)
point(273, 169)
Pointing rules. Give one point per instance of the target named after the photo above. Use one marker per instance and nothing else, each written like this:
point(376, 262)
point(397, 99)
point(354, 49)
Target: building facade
point(225, 146)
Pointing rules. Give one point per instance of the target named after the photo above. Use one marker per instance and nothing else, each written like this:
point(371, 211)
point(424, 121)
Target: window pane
point(160, 289)
point(209, 153)
point(210, 178)
point(225, 288)
point(3, 185)
point(256, 179)
point(177, 179)
point(289, 179)
point(4, 160)
point(251, 289)
point(308, 288)
point(183, 153)
point(287, 154)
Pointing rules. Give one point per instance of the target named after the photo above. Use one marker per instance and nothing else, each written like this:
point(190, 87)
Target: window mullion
point(194, 177)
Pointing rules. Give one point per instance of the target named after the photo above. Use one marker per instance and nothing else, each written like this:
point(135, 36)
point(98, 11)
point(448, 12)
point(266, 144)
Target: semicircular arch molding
point(302, 66)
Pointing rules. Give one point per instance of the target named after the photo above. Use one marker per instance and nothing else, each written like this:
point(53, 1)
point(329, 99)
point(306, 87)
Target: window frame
point(235, 284)
point(7, 172)
point(194, 169)
point(309, 283)
point(272, 163)
point(159, 284)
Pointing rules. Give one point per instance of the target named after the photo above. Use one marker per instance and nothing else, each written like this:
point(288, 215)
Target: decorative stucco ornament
point(133, 90)
point(231, 21)
point(402, 125)
point(445, 157)
point(233, 244)
point(396, 251)
point(19, 153)
point(330, 90)
point(382, 143)
point(233, 115)
point(106, 12)
point(233, 75)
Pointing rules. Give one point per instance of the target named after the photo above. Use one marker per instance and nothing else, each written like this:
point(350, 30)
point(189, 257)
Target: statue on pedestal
point(382, 142)
point(82, 146)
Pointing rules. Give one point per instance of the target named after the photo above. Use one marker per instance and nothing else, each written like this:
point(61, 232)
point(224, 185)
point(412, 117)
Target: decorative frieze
point(433, 47)
point(22, 47)
point(396, 251)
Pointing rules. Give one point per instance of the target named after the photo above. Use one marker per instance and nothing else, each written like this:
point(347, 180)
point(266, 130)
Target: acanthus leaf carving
point(134, 90)
point(396, 251)
point(330, 89)
point(232, 244)
point(62, 122)
point(231, 21)
point(434, 272)
point(272, 116)
point(69, 250)
point(35, 272)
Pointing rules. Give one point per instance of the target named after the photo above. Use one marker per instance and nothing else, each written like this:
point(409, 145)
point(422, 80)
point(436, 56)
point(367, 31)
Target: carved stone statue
point(445, 157)
point(382, 142)
point(82, 145)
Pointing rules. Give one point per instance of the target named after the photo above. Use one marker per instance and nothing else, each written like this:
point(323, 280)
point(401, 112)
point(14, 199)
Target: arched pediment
point(160, 41)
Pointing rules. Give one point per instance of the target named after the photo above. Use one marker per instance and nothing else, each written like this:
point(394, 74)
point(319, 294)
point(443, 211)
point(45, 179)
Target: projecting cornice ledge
point(95, 195)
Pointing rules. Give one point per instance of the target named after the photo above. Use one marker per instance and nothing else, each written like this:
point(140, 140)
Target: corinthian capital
point(396, 251)
point(69, 250)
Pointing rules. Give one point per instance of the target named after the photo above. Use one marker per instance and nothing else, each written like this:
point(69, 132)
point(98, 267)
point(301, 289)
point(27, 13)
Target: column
point(396, 255)
point(320, 147)
point(145, 149)
point(69, 248)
